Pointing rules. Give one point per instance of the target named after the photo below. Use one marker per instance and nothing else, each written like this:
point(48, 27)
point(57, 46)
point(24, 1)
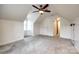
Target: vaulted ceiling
point(14, 11)
point(20, 11)
point(68, 11)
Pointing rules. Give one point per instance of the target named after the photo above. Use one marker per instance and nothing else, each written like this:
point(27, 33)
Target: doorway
point(57, 27)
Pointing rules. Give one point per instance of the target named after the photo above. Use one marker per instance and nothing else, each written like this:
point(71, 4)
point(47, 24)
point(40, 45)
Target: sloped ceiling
point(20, 11)
point(14, 11)
point(69, 11)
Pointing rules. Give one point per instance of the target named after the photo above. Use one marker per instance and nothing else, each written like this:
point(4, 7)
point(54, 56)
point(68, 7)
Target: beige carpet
point(42, 45)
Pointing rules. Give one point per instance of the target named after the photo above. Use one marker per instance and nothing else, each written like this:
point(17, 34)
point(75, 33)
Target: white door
point(76, 32)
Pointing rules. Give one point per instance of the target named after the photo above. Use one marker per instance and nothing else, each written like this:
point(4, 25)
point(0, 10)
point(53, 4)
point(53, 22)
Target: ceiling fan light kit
point(41, 9)
point(41, 12)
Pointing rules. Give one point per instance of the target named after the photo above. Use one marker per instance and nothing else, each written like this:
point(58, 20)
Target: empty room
point(39, 28)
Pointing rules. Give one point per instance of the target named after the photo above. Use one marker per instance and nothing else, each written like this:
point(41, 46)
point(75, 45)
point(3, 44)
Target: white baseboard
point(10, 42)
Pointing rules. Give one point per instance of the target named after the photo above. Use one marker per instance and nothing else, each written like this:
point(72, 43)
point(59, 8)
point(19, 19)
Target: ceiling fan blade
point(35, 7)
point(47, 10)
point(45, 6)
point(35, 11)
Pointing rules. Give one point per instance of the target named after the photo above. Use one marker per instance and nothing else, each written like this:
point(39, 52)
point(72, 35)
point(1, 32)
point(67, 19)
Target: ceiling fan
point(41, 8)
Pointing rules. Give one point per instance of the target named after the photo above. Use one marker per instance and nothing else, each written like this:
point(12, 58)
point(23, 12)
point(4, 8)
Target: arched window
point(27, 25)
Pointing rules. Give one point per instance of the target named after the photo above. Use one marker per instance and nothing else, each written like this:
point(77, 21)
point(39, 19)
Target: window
point(25, 25)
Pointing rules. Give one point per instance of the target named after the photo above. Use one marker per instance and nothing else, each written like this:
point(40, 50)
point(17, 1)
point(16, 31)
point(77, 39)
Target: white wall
point(36, 29)
point(32, 16)
point(46, 26)
point(11, 31)
point(65, 30)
